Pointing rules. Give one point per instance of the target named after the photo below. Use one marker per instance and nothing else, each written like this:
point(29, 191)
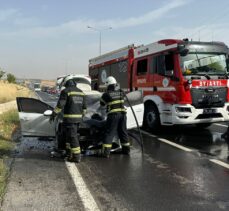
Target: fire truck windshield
point(204, 64)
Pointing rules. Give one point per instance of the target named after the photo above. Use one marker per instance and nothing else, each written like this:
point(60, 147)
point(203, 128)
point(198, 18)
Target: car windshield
point(81, 81)
point(204, 64)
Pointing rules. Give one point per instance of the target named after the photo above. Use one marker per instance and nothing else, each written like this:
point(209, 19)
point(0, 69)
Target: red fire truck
point(184, 82)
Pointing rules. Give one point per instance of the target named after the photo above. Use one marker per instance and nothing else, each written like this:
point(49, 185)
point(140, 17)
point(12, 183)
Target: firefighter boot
point(76, 158)
point(68, 150)
point(58, 153)
point(126, 150)
point(106, 152)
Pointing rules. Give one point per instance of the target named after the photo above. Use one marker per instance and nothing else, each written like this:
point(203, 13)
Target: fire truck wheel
point(151, 118)
point(203, 125)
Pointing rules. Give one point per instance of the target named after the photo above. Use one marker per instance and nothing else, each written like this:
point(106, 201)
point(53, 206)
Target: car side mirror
point(48, 113)
point(184, 52)
point(169, 73)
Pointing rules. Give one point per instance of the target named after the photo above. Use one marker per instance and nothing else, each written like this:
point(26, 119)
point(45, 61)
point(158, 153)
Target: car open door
point(32, 118)
point(135, 99)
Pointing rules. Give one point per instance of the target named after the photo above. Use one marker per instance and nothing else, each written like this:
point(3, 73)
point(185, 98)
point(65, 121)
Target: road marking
point(220, 125)
point(39, 97)
point(147, 133)
point(84, 193)
point(221, 163)
point(168, 142)
point(175, 145)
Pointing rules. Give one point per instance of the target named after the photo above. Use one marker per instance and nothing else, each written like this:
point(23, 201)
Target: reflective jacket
point(114, 100)
point(72, 103)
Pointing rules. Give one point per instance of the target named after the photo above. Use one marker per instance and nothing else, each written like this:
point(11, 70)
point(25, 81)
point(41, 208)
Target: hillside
point(9, 92)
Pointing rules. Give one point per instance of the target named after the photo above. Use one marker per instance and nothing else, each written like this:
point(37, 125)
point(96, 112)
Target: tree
point(1, 73)
point(11, 78)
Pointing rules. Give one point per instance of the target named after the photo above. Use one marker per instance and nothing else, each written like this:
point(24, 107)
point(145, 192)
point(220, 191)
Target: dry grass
point(9, 121)
point(49, 83)
point(9, 92)
point(3, 175)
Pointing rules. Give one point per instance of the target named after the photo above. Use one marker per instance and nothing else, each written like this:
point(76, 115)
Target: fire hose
point(139, 131)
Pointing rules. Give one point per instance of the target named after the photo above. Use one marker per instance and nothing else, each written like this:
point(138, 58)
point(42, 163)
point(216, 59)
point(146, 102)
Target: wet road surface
point(164, 177)
point(206, 140)
point(38, 182)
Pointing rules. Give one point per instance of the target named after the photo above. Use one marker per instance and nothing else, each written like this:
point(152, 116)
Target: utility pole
point(100, 35)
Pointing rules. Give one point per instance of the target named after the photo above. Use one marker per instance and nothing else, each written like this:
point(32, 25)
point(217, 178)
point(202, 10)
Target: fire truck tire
point(151, 118)
point(203, 125)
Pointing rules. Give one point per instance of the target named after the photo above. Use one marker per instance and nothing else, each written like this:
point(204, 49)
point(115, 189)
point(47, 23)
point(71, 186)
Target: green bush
point(11, 78)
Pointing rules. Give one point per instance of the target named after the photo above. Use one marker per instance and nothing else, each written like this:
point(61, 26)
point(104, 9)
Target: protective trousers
point(116, 124)
point(61, 138)
point(71, 137)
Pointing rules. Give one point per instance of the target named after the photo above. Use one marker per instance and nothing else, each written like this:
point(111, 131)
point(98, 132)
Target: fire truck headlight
point(183, 109)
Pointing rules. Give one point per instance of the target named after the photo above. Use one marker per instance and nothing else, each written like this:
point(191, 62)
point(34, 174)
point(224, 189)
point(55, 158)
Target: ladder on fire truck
point(121, 53)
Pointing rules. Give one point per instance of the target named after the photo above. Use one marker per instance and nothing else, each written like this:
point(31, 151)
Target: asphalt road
point(182, 168)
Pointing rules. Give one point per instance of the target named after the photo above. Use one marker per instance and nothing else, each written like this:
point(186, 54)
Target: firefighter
point(72, 103)
point(113, 98)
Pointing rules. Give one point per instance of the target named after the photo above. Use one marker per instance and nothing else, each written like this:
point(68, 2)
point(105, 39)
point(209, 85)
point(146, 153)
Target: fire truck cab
point(183, 82)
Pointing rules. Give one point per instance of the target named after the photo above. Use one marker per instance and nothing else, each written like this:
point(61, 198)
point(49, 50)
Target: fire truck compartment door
point(136, 101)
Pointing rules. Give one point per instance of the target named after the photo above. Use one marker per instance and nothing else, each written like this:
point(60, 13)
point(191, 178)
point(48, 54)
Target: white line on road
point(168, 142)
point(84, 193)
point(144, 132)
point(175, 145)
point(221, 163)
point(221, 125)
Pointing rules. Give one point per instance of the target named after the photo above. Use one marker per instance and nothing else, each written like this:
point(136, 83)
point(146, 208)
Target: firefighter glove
point(52, 117)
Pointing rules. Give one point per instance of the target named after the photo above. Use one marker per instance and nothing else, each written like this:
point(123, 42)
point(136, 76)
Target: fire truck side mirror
point(227, 62)
point(182, 50)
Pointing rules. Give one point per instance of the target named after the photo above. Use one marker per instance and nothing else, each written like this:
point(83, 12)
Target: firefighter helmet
point(68, 77)
point(68, 81)
point(110, 81)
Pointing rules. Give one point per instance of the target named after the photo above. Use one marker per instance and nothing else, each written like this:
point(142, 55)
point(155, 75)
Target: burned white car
point(34, 117)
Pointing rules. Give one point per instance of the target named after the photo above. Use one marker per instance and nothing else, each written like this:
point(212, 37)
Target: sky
point(44, 39)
